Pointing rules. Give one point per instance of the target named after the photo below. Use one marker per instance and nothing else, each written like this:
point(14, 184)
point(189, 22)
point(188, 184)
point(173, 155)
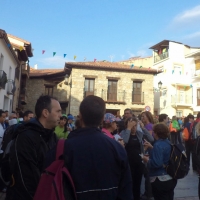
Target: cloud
point(187, 18)
point(192, 39)
point(53, 62)
point(193, 35)
point(141, 53)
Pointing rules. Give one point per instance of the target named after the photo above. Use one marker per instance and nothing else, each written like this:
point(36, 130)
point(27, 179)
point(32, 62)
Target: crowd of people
point(106, 155)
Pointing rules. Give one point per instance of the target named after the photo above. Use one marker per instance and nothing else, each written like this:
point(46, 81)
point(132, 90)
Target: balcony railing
point(25, 69)
point(87, 93)
point(160, 57)
point(10, 87)
point(137, 97)
point(3, 79)
point(113, 96)
point(183, 100)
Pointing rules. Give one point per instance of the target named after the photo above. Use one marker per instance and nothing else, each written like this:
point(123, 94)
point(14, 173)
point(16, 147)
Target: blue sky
point(98, 29)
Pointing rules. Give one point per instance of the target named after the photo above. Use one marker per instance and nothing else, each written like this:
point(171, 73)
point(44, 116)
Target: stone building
point(121, 86)
point(46, 81)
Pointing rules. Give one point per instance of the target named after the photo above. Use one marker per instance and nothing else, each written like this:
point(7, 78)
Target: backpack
point(56, 182)
point(8, 140)
point(185, 134)
point(178, 166)
point(196, 154)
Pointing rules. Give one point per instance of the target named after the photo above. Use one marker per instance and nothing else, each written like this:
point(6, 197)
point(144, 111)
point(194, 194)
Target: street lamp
point(159, 85)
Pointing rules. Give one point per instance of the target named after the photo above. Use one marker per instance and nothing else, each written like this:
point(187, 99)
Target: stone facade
point(36, 88)
point(125, 84)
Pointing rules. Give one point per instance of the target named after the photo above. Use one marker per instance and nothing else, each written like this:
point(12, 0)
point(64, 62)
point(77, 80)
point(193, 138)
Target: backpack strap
point(60, 148)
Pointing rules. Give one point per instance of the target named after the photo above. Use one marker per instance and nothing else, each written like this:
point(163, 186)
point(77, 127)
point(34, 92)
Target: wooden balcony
point(114, 96)
point(137, 97)
point(25, 69)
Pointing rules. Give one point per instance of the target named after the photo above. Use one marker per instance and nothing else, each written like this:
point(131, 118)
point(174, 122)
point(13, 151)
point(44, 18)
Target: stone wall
point(36, 87)
point(125, 83)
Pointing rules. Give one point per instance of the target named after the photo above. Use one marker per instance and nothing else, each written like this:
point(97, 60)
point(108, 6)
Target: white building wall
point(9, 65)
point(172, 79)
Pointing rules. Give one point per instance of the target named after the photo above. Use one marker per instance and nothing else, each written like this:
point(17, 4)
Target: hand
point(147, 145)
point(145, 159)
point(69, 129)
point(130, 124)
point(141, 125)
point(121, 142)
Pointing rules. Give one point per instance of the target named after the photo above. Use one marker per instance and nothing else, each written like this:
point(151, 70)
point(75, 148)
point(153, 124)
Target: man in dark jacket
point(98, 164)
point(32, 141)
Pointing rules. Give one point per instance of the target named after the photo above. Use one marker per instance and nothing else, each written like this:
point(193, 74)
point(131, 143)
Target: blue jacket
point(98, 165)
point(159, 156)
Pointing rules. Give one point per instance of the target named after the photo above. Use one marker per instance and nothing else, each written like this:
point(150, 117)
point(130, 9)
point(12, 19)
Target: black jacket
point(32, 141)
point(98, 165)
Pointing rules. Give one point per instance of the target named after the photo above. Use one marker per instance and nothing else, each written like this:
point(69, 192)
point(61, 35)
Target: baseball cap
point(70, 117)
point(109, 118)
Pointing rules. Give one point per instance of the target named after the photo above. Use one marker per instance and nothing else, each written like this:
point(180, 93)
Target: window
point(1, 62)
point(112, 90)
point(198, 97)
point(49, 90)
point(179, 113)
point(137, 92)
point(89, 87)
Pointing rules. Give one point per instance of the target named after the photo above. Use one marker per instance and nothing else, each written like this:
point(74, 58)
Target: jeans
point(137, 172)
point(189, 146)
point(163, 190)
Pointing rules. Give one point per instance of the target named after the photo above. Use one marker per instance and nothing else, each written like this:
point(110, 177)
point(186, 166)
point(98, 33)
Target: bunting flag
point(132, 66)
point(186, 73)
point(149, 68)
point(64, 55)
point(191, 86)
point(178, 88)
point(172, 71)
point(54, 53)
point(75, 57)
point(104, 60)
point(43, 51)
point(8, 45)
point(140, 66)
point(180, 72)
point(21, 48)
point(85, 58)
point(95, 60)
point(185, 87)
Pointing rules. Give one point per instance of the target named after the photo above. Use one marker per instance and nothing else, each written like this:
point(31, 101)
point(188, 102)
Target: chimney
point(35, 66)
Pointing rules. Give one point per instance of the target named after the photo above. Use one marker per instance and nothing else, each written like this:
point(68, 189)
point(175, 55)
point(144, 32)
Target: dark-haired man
point(32, 141)
point(28, 115)
point(97, 163)
point(163, 118)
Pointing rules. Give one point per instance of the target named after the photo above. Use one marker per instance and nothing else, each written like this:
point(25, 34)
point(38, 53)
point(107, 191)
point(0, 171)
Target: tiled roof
point(4, 36)
point(109, 66)
point(44, 72)
point(20, 39)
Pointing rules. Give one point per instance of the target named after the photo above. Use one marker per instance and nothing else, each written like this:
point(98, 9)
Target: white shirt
point(1, 136)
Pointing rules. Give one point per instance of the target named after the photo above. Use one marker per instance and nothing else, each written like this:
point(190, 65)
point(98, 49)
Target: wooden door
point(112, 90)
point(137, 92)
